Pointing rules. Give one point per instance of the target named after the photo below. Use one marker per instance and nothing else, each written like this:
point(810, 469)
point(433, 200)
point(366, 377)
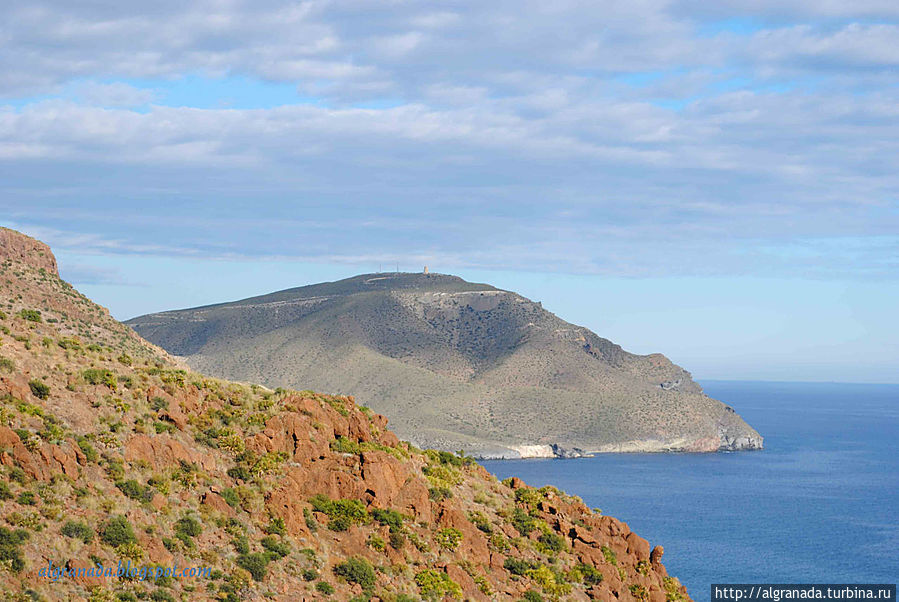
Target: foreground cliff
point(111, 453)
point(456, 365)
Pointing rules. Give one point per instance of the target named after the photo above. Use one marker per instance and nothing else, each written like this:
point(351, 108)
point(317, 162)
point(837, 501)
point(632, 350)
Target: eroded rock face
point(21, 248)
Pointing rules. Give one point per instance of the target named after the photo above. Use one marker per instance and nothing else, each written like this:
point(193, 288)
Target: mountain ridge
point(455, 365)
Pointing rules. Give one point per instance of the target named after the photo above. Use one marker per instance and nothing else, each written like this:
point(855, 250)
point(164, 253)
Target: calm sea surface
point(819, 505)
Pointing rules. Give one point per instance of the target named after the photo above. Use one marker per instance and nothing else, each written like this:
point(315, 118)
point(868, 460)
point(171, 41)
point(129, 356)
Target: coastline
point(650, 446)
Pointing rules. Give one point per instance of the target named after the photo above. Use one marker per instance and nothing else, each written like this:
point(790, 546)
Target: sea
point(820, 504)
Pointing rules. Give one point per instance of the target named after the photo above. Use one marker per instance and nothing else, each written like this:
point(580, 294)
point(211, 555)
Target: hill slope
point(455, 365)
point(111, 453)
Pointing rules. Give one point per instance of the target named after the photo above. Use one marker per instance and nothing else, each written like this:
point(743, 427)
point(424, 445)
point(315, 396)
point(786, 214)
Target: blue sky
point(717, 182)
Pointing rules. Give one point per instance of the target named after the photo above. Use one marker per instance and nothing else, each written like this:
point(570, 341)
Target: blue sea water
point(820, 504)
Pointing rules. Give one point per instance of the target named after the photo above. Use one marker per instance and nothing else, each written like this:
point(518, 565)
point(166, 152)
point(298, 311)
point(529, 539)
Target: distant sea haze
point(817, 505)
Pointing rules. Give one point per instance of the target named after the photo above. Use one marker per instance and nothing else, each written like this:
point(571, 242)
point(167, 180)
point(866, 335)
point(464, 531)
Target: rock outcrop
point(18, 247)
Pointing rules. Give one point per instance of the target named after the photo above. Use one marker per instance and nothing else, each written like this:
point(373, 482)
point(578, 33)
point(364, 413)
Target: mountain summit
point(455, 365)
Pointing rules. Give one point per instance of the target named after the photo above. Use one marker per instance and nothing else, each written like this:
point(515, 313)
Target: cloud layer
point(629, 138)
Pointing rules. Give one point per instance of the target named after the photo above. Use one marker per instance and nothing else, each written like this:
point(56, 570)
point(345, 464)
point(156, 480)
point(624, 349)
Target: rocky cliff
point(17, 247)
point(456, 365)
point(110, 452)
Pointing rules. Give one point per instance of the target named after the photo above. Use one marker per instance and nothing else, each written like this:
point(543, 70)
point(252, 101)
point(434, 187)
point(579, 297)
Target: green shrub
point(639, 592)
point(435, 585)
point(310, 575)
point(241, 544)
point(397, 540)
point(115, 468)
point(32, 315)
point(5, 493)
point(78, 530)
point(324, 587)
point(448, 538)
point(528, 496)
point(551, 581)
point(480, 520)
point(17, 474)
point(7, 365)
point(391, 518)
point(39, 389)
point(552, 542)
point(69, 343)
point(590, 575)
point(159, 403)
point(125, 359)
point(449, 458)
point(135, 490)
point(96, 376)
point(187, 528)
point(609, 555)
point(256, 564)
point(277, 547)
point(161, 426)
point(87, 449)
point(672, 590)
point(523, 522)
point(160, 595)
point(357, 570)
point(276, 526)
point(239, 473)
point(27, 498)
point(531, 596)
point(117, 531)
point(345, 446)
point(10, 553)
point(231, 498)
point(498, 542)
point(519, 567)
point(311, 523)
point(343, 513)
point(439, 494)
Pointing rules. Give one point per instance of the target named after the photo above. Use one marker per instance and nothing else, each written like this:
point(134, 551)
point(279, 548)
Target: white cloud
point(114, 94)
point(622, 137)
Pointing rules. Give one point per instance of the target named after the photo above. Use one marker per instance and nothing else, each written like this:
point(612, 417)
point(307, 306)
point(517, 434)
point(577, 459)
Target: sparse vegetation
point(118, 531)
point(31, 315)
point(256, 564)
point(342, 513)
point(96, 376)
point(435, 585)
point(39, 389)
point(448, 538)
point(78, 530)
point(357, 570)
point(10, 548)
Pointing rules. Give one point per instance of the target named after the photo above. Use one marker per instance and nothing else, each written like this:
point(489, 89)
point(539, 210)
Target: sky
point(713, 181)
